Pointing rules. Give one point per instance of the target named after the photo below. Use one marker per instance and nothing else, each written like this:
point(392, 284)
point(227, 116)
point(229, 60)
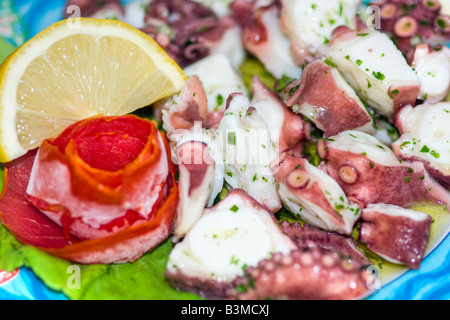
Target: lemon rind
point(16, 64)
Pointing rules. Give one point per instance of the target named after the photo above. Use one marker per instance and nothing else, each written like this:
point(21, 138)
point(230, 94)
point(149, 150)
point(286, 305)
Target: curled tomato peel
point(125, 245)
point(99, 185)
point(160, 226)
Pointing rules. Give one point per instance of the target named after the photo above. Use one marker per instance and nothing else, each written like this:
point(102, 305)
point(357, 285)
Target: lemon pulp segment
point(67, 74)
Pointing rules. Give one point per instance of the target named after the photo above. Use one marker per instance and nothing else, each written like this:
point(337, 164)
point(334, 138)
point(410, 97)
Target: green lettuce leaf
point(141, 280)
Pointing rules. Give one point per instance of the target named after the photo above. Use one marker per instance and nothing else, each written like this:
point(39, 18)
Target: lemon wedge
point(75, 69)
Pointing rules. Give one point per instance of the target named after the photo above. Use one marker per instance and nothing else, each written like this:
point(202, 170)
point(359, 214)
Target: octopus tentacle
point(309, 237)
point(432, 65)
point(262, 36)
point(184, 109)
point(287, 129)
point(324, 96)
point(425, 138)
point(409, 21)
point(397, 234)
point(363, 57)
point(248, 151)
point(309, 25)
point(409, 182)
point(194, 30)
point(235, 233)
point(313, 195)
point(219, 79)
point(303, 274)
point(196, 168)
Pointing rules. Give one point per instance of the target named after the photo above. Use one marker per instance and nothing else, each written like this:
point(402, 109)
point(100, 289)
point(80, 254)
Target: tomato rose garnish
point(105, 182)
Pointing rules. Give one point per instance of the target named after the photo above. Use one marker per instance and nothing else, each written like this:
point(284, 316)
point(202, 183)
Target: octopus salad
point(293, 179)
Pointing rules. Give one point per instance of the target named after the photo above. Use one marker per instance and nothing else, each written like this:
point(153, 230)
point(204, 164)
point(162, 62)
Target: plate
point(22, 19)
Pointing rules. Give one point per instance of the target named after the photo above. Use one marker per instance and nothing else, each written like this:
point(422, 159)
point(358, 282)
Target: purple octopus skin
point(237, 229)
point(206, 288)
point(424, 138)
point(196, 178)
point(405, 20)
point(194, 28)
point(323, 96)
point(395, 87)
point(397, 234)
point(441, 177)
point(311, 194)
point(309, 237)
point(262, 36)
point(212, 38)
point(303, 275)
point(243, 11)
point(433, 67)
point(370, 179)
point(287, 128)
point(184, 109)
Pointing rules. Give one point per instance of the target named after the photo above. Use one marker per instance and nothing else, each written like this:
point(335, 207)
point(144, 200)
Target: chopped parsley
point(440, 23)
point(425, 149)
point(405, 143)
point(219, 99)
point(234, 208)
point(378, 75)
point(330, 63)
point(234, 260)
point(231, 138)
point(241, 288)
point(435, 154)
